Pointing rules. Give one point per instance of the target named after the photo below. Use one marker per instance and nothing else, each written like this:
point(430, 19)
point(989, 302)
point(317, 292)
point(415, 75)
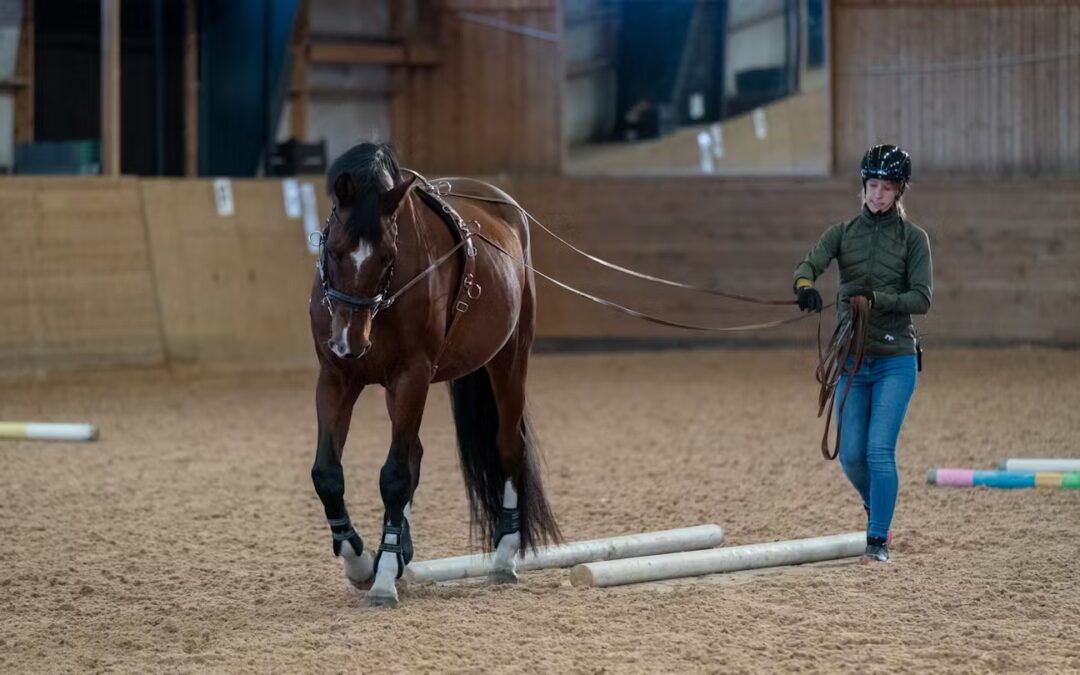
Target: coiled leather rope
point(848, 343)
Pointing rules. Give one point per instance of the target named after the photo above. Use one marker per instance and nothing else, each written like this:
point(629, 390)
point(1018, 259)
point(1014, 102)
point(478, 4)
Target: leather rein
point(844, 356)
point(384, 299)
point(847, 343)
point(443, 188)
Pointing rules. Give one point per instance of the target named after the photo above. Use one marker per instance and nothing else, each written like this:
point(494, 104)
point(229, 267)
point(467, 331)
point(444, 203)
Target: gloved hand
point(810, 299)
point(862, 293)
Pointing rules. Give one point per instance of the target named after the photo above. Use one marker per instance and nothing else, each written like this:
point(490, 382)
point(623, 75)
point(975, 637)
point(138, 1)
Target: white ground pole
point(47, 431)
point(1037, 465)
point(568, 555)
point(697, 563)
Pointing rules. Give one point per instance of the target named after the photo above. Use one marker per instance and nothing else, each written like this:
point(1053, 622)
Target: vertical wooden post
point(804, 41)
point(558, 156)
point(24, 71)
point(159, 87)
point(400, 131)
point(110, 87)
point(829, 26)
point(298, 89)
point(191, 88)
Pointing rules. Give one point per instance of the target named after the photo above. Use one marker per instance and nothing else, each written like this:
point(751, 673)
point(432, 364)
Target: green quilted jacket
point(888, 255)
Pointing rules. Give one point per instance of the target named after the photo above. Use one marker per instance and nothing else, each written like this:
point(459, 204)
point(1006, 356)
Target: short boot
point(877, 550)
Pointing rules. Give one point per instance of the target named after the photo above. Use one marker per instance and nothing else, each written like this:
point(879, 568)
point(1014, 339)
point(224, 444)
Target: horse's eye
point(386, 258)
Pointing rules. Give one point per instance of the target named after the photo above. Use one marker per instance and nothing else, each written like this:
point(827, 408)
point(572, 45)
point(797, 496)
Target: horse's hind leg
point(334, 401)
point(507, 372)
point(397, 482)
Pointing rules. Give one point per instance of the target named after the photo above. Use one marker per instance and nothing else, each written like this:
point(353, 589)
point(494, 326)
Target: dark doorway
point(67, 79)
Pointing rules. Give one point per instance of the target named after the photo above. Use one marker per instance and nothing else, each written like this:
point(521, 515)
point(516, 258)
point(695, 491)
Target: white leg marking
point(510, 496)
point(504, 566)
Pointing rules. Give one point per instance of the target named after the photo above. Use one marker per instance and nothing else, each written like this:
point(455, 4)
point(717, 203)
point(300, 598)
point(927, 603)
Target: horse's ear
point(390, 201)
point(344, 190)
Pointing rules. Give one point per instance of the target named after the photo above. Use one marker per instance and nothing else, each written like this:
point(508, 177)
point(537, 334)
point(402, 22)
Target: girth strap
point(469, 290)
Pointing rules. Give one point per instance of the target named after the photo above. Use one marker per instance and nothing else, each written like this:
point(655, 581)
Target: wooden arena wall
point(231, 290)
point(972, 86)
point(98, 273)
point(1006, 254)
point(76, 284)
point(493, 101)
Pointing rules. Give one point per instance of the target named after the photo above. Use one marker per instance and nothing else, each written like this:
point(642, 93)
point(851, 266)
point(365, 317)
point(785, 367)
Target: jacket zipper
point(870, 263)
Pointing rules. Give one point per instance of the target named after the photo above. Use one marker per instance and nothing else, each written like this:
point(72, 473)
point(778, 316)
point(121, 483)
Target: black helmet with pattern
point(886, 162)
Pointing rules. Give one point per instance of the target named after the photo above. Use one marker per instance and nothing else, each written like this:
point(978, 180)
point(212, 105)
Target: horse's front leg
point(334, 401)
point(398, 480)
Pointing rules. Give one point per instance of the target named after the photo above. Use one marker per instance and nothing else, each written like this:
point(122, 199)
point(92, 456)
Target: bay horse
point(408, 292)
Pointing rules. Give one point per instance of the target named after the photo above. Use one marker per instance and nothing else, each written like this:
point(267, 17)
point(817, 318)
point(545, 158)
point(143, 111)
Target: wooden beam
point(110, 87)
point(400, 77)
point(373, 53)
point(421, 51)
point(829, 22)
point(191, 88)
point(349, 93)
point(24, 74)
point(299, 90)
point(499, 5)
point(363, 53)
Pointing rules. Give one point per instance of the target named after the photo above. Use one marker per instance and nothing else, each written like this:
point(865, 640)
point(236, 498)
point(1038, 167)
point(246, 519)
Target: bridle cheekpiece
point(376, 303)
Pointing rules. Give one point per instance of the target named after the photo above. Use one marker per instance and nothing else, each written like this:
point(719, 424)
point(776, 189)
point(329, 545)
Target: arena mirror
point(696, 87)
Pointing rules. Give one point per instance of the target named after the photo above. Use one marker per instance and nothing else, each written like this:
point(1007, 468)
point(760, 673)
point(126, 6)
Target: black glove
point(810, 299)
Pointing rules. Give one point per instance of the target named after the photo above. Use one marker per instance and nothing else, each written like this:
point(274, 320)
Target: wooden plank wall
point(493, 102)
point(76, 288)
point(100, 272)
point(232, 290)
point(1006, 253)
point(971, 86)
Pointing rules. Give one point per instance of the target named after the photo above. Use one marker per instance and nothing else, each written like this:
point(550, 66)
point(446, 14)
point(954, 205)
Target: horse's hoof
point(503, 577)
point(360, 570)
point(382, 599)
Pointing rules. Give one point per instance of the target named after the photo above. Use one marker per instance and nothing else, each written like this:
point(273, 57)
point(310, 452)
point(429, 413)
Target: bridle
point(384, 298)
point(375, 303)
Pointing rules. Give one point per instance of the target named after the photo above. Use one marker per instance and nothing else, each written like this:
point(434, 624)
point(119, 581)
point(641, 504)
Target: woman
point(886, 259)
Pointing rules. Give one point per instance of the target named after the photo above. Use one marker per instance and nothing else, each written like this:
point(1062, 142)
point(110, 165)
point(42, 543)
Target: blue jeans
point(871, 419)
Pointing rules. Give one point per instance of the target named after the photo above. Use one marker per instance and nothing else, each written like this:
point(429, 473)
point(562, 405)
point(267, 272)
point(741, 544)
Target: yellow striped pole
point(48, 431)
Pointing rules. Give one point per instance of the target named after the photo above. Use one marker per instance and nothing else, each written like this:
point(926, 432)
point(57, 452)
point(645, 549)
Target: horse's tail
point(477, 420)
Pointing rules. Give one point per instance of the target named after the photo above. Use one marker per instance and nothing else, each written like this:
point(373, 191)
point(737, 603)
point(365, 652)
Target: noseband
point(376, 303)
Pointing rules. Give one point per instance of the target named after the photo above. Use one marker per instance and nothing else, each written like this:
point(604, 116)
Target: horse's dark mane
point(367, 164)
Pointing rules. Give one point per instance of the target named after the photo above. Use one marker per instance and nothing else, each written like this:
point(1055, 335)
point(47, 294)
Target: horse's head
point(359, 244)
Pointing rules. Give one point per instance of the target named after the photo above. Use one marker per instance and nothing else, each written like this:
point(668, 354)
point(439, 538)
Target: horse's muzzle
point(348, 351)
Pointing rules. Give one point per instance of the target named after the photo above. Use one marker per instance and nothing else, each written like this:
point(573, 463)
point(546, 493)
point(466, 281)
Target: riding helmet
point(886, 162)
